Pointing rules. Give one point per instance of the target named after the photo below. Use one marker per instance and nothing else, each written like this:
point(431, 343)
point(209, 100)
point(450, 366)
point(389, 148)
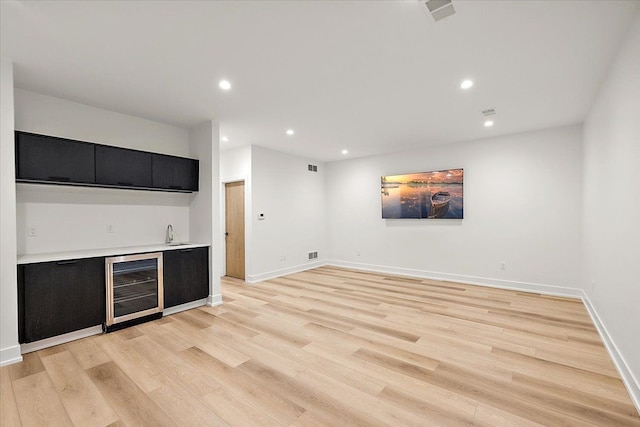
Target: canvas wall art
point(429, 195)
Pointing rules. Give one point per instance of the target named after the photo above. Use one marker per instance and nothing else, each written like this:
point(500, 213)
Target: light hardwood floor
point(333, 347)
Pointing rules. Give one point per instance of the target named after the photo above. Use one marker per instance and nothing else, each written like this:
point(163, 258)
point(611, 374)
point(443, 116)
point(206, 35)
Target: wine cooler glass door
point(135, 288)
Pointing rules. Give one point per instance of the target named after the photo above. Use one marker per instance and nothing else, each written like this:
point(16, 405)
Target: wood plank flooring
point(333, 347)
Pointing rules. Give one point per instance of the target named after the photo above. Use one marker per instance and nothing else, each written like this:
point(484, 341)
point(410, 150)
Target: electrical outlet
point(32, 231)
point(503, 265)
point(283, 257)
point(358, 252)
point(109, 228)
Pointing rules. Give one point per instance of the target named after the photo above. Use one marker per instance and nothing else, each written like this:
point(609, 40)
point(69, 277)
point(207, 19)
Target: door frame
point(247, 222)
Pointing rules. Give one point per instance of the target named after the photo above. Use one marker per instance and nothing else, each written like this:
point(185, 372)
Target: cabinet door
point(45, 158)
point(55, 298)
point(186, 275)
point(175, 173)
point(121, 167)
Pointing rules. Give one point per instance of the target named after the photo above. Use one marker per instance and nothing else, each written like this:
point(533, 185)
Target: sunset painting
point(435, 194)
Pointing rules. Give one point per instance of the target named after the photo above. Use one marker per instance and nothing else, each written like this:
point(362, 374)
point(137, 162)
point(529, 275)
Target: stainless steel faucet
point(169, 234)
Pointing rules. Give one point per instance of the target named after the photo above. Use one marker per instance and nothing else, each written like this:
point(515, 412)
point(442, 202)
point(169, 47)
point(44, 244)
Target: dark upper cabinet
point(185, 275)
point(50, 159)
point(122, 167)
point(55, 298)
point(175, 173)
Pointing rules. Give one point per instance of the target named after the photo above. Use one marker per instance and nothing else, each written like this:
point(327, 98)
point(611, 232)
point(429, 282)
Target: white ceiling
point(369, 76)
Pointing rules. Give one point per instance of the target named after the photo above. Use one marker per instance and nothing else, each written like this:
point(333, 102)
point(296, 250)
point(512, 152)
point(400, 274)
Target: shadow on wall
point(417, 222)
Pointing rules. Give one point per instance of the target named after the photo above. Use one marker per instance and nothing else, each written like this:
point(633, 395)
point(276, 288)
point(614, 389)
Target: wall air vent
point(313, 255)
point(439, 9)
point(489, 112)
point(312, 168)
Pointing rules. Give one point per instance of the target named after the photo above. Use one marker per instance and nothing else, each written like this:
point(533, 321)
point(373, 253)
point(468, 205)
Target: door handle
point(226, 233)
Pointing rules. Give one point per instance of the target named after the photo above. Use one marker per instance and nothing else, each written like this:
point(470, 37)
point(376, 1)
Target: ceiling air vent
point(489, 112)
point(440, 9)
point(312, 168)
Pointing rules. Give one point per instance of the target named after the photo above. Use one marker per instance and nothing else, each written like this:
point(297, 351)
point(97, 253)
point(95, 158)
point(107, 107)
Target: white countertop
point(90, 253)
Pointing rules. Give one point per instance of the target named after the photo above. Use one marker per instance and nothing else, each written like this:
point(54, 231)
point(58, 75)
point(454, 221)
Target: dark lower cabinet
point(186, 275)
point(55, 298)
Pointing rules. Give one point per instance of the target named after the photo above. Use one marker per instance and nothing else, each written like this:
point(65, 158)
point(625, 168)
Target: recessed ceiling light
point(345, 151)
point(290, 132)
point(488, 124)
point(466, 84)
point(224, 84)
point(225, 139)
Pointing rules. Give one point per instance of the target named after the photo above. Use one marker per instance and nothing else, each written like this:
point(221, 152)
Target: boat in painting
point(440, 204)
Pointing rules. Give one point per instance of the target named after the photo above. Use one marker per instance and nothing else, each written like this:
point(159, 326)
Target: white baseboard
point(10, 355)
point(83, 333)
point(630, 381)
point(470, 280)
point(213, 300)
point(60, 339)
point(283, 272)
point(182, 307)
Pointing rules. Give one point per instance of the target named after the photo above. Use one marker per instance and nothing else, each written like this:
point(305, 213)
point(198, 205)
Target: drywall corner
point(9, 347)
point(204, 211)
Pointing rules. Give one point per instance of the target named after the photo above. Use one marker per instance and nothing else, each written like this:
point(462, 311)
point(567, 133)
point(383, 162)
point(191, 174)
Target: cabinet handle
point(176, 187)
point(125, 183)
point(186, 250)
point(66, 262)
point(60, 178)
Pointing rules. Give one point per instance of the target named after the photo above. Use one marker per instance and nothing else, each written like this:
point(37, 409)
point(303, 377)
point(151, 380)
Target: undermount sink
point(177, 244)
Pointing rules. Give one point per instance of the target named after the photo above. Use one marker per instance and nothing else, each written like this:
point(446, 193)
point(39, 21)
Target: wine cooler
point(134, 289)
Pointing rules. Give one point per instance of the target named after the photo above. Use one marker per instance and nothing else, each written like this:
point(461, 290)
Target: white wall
point(54, 116)
point(522, 201)
point(9, 348)
point(75, 218)
point(235, 165)
point(612, 204)
point(293, 202)
point(204, 213)
point(68, 218)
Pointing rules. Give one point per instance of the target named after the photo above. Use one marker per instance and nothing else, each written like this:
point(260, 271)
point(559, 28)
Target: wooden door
point(234, 224)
